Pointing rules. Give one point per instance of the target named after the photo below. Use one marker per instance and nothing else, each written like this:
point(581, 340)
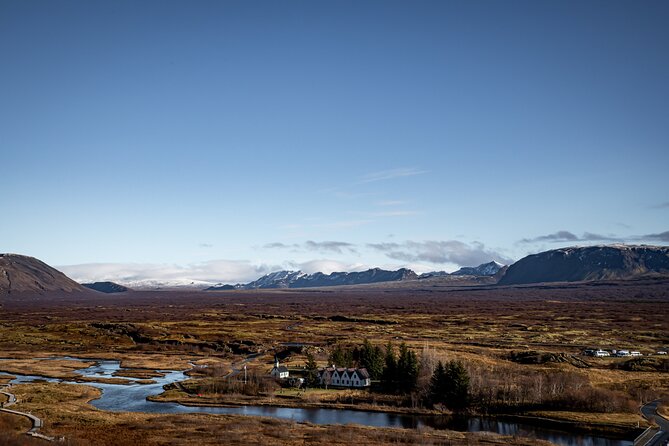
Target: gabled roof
point(362, 373)
point(280, 369)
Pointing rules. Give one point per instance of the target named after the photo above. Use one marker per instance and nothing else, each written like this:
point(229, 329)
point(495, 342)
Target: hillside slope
point(604, 262)
point(23, 273)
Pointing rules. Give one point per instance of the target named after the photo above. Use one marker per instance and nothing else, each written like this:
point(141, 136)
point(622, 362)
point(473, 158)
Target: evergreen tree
point(407, 369)
point(456, 386)
point(371, 358)
point(438, 384)
point(311, 370)
point(449, 385)
point(389, 375)
point(341, 357)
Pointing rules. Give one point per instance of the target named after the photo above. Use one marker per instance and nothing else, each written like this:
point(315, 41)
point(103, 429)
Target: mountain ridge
point(588, 263)
point(299, 279)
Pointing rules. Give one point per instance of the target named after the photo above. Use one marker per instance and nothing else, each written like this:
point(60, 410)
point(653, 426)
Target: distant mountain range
point(299, 279)
point(604, 262)
point(20, 273)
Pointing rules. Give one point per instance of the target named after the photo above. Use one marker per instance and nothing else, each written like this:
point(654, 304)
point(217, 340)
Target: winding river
point(132, 398)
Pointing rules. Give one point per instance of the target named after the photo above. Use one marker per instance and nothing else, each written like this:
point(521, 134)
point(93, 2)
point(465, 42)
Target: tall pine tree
point(407, 369)
point(341, 357)
point(457, 386)
point(311, 370)
point(389, 376)
point(438, 384)
point(449, 385)
point(371, 358)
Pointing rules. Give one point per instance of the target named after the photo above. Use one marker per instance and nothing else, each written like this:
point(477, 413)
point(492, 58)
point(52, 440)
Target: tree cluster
point(449, 385)
point(400, 373)
point(365, 356)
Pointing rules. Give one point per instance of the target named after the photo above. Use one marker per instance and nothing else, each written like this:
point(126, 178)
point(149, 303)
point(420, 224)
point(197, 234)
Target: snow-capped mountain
point(485, 269)
point(299, 279)
point(433, 274)
point(277, 279)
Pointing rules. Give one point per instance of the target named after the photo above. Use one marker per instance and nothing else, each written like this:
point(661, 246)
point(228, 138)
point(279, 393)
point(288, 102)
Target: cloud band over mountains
point(567, 237)
point(418, 255)
point(440, 252)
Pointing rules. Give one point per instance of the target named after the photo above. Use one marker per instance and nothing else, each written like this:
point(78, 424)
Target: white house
point(344, 377)
point(279, 371)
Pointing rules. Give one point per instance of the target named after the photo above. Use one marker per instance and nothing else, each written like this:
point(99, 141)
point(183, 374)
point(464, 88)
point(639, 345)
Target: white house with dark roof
point(279, 371)
point(344, 377)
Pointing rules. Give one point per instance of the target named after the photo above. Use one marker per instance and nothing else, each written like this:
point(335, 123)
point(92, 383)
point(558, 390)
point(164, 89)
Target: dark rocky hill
point(27, 274)
point(605, 262)
point(106, 287)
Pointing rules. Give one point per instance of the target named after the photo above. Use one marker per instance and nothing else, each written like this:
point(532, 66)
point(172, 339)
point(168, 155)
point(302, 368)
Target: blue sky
point(221, 140)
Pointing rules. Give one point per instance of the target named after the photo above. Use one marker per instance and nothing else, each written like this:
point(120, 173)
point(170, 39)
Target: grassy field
point(520, 345)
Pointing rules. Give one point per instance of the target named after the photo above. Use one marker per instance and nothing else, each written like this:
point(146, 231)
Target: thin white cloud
point(389, 203)
point(310, 245)
point(342, 224)
point(386, 214)
point(279, 245)
point(391, 174)
point(213, 271)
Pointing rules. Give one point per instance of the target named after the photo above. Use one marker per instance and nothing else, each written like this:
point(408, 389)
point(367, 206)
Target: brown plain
point(478, 325)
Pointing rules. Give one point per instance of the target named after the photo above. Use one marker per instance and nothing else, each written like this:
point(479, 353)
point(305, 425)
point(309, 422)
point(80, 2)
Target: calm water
point(132, 398)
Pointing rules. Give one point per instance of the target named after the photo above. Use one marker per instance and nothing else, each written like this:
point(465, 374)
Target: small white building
point(344, 377)
point(279, 371)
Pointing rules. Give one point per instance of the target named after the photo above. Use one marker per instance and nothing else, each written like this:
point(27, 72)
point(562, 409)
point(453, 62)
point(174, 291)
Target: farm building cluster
point(344, 377)
point(328, 376)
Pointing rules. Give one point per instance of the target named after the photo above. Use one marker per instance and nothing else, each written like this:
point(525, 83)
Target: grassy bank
point(66, 412)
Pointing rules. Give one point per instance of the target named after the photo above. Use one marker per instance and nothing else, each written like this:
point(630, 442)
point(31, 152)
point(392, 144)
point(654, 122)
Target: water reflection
point(132, 398)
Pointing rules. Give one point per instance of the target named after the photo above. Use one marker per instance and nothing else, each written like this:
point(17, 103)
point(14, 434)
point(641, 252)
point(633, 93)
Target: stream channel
point(132, 398)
